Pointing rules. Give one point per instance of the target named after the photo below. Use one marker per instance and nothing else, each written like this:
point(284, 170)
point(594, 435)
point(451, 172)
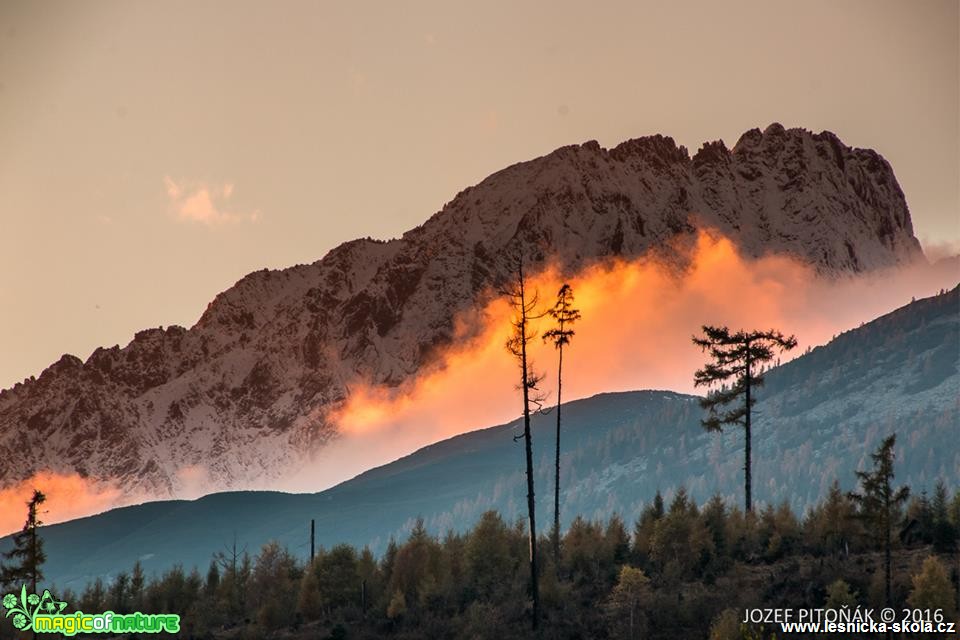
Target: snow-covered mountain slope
point(250, 388)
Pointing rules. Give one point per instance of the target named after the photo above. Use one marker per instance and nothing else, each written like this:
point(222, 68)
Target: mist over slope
point(243, 394)
point(819, 417)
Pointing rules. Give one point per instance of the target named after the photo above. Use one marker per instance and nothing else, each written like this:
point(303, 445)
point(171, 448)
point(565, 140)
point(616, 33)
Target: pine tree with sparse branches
point(524, 305)
point(735, 366)
point(878, 503)
point(27, 554)
point(564, 315)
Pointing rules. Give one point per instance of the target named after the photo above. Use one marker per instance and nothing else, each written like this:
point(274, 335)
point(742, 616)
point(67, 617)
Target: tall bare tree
point(564, 315)
point(524, 306)
point(735, 364)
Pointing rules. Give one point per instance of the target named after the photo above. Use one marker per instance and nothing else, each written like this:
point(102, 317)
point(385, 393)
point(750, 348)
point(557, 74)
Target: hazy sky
point(153, 154)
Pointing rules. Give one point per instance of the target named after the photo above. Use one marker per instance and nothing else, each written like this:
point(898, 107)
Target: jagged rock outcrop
point(249, 389)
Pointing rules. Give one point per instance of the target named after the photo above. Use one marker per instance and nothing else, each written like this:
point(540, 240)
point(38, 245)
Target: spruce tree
point(564, 315)
point(736, 361)
point(137, 584)
point(120, 593)
point(945, 535)
point(879, 502)
point(524, 304)
point(213, 579)
point(27, 556)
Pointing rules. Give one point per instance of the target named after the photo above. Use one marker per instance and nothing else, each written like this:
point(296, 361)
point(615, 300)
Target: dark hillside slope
point(819, 416)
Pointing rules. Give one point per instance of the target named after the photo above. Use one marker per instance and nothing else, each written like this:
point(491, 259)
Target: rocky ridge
point(250, 387)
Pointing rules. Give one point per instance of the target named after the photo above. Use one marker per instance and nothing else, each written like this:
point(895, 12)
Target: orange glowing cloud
point(204, 204)
point(637, 321)
point(68, 496)
point(635, 333)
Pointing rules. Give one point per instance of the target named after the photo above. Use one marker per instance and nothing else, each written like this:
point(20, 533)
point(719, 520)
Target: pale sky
point(151, 154)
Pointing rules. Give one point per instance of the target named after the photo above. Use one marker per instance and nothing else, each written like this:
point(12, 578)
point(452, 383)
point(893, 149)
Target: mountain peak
point(251, 387)
point(658, 147)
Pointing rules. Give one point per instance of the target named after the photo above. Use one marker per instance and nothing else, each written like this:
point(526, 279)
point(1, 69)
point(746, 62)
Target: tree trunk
point(886, 553)
point(33, 557)
point(746, 429)
point(528, 444)
point(531, 508)
point(556, 483)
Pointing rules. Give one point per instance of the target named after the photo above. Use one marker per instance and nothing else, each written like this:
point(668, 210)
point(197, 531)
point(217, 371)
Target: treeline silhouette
point(682, 570)
point(678, 570)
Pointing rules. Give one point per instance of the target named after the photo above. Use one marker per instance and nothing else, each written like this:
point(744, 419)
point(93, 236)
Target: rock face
point(247, 390)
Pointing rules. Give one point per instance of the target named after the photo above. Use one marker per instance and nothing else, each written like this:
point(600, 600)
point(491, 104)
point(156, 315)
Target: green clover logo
point(9, 601)
point(20, 621)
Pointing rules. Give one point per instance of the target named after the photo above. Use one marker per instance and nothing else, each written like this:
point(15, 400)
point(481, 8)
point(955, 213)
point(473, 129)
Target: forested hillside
point(681, 570)
point(819, 417)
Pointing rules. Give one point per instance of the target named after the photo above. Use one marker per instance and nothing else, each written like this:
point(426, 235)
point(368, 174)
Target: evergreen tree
point(920, 512)
point(879, 502)
point(120, 593)
point(416, 565)
point(743, 536)
point(488, 556)
point(582, 553)
point(137, 582)
point(564, 314)
point(830, 526)
point(617, 541)
point(644, 528)
point(371, 580)
point(715, 520)
point(389, 560)
point(337, 579)
point(274, 581)
point(27, 556)
point(213, 579)
point(524, 305)
point(736, 358)
point(94, 597)
point(944, 534)
point(680, 540)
